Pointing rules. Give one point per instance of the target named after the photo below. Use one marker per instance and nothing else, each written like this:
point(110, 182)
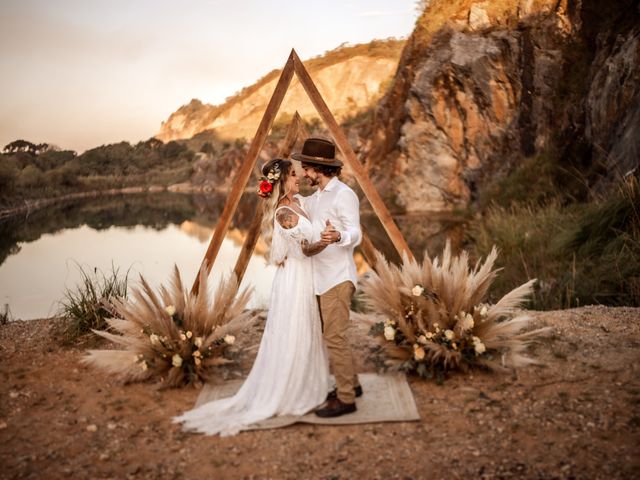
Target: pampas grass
point(176, 337)
point(430, 317)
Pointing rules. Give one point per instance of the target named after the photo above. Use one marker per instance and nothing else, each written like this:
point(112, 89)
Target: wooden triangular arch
point(294, 65)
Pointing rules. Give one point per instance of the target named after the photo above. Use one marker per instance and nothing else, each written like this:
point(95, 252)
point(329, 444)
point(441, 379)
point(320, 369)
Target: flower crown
point(266, 183)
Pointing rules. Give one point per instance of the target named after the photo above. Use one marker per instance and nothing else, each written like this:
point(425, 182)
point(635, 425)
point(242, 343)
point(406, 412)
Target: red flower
point(265, 187)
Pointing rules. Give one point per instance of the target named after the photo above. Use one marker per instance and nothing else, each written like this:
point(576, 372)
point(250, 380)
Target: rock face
point(483, 86)
point(350, 79)
point(612, 105)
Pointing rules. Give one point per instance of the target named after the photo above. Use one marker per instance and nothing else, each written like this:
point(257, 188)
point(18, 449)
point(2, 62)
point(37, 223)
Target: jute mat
point(387, 398)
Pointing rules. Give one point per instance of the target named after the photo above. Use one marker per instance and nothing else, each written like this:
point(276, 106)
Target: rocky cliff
point(481, 87)
point(351, 79)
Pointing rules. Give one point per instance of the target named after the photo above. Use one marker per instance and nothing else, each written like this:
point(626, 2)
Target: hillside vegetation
point(28, 173)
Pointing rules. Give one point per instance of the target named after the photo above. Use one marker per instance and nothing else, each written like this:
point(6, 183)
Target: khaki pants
point(334, 313)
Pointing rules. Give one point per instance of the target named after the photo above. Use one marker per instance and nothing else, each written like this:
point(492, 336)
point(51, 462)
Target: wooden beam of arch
point(242, 177)
point(294, 130)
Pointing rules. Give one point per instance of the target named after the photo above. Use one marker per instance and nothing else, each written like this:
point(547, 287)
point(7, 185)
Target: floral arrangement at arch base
point(175, 337)
point(431, 318)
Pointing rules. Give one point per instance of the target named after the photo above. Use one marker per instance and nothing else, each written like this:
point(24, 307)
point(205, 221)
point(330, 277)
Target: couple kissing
point(312, 241)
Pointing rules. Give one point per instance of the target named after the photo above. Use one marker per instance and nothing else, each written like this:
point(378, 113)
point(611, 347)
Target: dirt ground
point(578, 416)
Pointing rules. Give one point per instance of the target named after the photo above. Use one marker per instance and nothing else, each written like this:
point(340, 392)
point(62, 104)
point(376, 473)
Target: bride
point(290, 375)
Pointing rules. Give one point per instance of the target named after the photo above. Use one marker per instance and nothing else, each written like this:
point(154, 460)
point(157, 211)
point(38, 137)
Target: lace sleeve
point(279, 248)
point(286, 236)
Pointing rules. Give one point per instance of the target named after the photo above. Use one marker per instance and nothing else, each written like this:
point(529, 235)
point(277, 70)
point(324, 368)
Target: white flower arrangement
point(176, 337)
point(274, 174)
point(435, 320)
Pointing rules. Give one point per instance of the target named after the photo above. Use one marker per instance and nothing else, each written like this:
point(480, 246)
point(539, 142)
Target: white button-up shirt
point(340, 205)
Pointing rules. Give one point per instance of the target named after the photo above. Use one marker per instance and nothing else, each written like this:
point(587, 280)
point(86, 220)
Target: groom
point(335, 215)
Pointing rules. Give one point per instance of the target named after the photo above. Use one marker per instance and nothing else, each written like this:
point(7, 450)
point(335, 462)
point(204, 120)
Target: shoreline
point(32, 205)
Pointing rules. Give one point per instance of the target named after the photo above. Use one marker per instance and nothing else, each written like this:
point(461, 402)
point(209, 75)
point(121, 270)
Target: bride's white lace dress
point(290, 375)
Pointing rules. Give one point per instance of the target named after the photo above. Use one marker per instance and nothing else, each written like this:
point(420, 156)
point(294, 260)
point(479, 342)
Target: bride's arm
point(288, 219)
point(311, 249)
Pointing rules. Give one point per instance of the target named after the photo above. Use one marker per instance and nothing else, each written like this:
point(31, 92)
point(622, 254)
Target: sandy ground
point(578, 416)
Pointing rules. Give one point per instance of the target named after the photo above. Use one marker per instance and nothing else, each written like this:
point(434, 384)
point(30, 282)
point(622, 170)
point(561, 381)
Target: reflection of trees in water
point(209, 207)
point(159, 210)
point(155, 211)
point(421, 231)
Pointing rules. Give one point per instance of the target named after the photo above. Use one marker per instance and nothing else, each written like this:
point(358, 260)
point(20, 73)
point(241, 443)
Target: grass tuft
point(5, 317)
point(85, 307)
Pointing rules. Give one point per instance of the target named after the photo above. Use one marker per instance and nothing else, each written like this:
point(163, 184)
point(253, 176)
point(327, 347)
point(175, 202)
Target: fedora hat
point(318, 151)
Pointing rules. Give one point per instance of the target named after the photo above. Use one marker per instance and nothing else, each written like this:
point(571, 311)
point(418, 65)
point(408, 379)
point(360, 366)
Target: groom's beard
point(314, 182)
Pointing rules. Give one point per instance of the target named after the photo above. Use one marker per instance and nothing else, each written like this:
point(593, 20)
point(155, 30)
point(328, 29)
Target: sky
point(83, 73)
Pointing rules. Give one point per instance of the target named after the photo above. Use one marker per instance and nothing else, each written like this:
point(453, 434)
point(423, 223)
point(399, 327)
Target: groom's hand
point(330, 234)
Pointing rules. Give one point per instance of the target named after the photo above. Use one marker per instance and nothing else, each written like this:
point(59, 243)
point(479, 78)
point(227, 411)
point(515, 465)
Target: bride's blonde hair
point(278, 191)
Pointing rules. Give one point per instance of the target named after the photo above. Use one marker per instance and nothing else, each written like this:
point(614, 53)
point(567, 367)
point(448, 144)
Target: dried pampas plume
point(431, 318)
point(176, 337)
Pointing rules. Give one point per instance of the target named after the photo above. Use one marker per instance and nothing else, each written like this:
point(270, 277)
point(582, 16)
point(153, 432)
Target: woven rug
point(387, 398)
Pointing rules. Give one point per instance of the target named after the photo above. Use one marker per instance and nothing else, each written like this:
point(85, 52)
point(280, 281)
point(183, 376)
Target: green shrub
point(84, 307)
point(65, 176)
point(523, 234)
point(605, 238)
point(7, 177)
point(534, 181)
point(172, 149)
point(581, 254)
point(30, 177)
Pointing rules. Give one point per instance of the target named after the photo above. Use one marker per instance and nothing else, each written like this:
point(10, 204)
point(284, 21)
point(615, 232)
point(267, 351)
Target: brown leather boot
point(335, 408)
point(334, 393)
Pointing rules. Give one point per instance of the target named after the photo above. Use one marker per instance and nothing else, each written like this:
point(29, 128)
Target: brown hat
point(318, 151)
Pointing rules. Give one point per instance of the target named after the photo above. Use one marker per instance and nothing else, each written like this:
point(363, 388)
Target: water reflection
point(148, 234)
point(144, 233)
point(424, 231)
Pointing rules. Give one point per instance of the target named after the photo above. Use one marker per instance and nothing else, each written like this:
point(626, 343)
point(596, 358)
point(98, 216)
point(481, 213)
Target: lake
point(41, 254)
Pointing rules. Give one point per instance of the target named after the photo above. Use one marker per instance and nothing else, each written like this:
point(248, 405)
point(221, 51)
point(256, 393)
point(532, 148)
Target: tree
point(153, 143)
point(173, 149)
point(43, 147)
point(21, 146)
